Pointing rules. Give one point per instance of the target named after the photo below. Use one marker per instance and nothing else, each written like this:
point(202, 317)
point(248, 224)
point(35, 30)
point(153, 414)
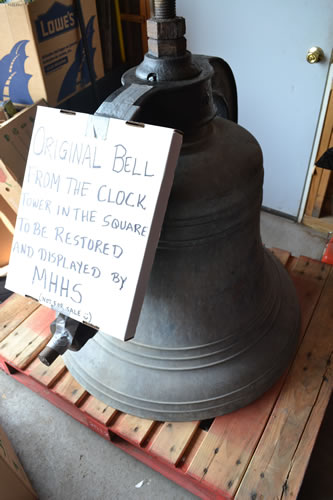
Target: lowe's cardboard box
point(15, 136)
point(14, 483)
point(42, 54)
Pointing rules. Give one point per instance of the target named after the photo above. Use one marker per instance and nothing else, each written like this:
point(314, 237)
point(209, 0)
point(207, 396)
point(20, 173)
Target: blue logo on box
point(78, 73)
point(13, 79)
point(57, 20)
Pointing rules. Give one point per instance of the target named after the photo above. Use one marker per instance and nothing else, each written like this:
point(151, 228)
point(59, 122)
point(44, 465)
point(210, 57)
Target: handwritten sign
point(93, 201)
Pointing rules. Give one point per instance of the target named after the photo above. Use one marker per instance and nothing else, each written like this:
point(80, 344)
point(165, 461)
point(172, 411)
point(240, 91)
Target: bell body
point(220, 319)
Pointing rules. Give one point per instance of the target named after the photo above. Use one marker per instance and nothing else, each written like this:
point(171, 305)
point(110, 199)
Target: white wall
point(266, 42)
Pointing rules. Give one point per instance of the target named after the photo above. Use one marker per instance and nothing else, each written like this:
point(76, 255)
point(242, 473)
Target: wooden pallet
point(258, 452)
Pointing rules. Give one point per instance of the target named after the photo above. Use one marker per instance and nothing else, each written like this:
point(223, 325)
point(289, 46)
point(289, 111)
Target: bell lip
point(247, 390)
point(242, 397)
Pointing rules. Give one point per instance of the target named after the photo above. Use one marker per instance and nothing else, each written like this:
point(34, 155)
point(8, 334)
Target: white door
point(280, 93)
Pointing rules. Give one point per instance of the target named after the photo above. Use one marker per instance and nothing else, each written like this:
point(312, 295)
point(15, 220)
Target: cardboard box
point(7, 226)
point(41, 51)
point(14, 483)
point(15, 136)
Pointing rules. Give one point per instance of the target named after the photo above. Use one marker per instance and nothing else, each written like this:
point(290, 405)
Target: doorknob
point(314, 55)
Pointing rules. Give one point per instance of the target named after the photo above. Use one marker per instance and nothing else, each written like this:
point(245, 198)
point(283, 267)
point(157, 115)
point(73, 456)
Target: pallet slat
point(98, 410)
point(224, 454)
point(172, 440)
point(47, 375)
point(249, 453)
point(302, 455)
point(268, 471)
point(311, 268)
point(13, 311)
point(28, 339)
point(69, 389)
point(192, 449)
point(222, 459)
point(132, 428)
point(308, 277)
point(282, 255)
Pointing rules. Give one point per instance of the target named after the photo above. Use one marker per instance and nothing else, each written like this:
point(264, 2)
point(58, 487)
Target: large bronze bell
point(220, 319)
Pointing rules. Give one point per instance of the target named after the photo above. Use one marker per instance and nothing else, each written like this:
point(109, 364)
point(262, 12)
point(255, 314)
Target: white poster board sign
point(93, 201)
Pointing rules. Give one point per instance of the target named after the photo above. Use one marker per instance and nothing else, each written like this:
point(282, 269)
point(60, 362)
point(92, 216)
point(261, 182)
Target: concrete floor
point(65, 460)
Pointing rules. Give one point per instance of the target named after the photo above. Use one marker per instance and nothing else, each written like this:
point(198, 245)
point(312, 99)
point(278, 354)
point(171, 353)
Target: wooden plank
point(302, 456)
point(315, 181)
point(132, 18)
point(222, 459)
point(311, 268)
point(308, 277)
point(133, 429)
point(46, 375)
point(98, 410)
point(224, 469)
point(145, 8)
point(267, 474)
point(192, 449)
point(69, 389)
point(327, 128)
point(144, 11)
point(105, 17)
point(13, 311)
point(324, 181)
point(324, 224)
point(172, 440)
point(321, 191)
point(282, 255)
point(28, 339)
point(312, 206)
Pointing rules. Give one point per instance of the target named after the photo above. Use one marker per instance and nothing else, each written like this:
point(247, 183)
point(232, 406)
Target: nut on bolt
point(160, 48)
point(166, 37)
point(166, 29)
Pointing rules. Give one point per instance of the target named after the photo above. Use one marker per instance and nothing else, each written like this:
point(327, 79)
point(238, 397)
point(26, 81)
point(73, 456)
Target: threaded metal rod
point(164, 9)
